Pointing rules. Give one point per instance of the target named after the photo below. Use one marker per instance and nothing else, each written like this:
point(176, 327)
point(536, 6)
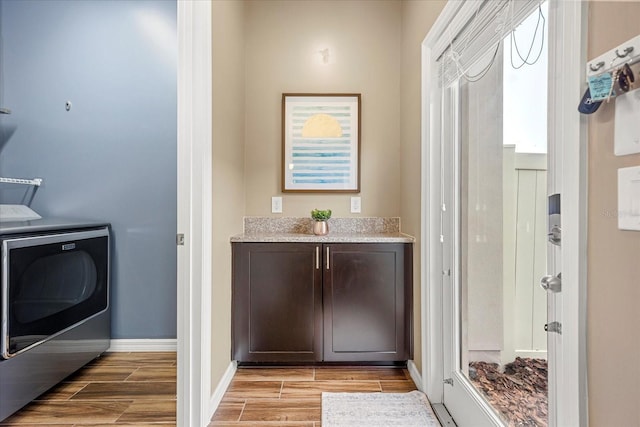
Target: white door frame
point(568, 135)
point(567, 56)
point(194, 213)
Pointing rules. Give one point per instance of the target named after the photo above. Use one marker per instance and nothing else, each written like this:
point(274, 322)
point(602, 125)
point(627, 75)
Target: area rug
point(377, 410)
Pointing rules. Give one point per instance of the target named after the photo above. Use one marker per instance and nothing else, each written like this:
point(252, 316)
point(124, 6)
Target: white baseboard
point(222, 386)
point(415, 374)
point(151, 345)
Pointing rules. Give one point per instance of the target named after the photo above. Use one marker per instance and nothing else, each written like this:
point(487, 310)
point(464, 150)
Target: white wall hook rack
point(35, 181)
point(627, 53)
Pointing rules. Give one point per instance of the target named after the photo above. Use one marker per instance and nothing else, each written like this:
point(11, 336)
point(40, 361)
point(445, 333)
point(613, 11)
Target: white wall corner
point(221, 388)
point(140, 345)
point(416, 376)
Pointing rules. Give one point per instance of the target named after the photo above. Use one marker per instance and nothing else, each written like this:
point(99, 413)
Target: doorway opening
point(457, 45)
point(502, 219)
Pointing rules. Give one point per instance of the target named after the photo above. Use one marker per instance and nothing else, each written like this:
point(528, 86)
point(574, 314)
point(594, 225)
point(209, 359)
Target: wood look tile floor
point(291, 397)
point(117, 389)
point(139, 389)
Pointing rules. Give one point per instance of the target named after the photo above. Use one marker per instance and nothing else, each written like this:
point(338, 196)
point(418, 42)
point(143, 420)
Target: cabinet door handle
point(317, 257)
point(327, 257)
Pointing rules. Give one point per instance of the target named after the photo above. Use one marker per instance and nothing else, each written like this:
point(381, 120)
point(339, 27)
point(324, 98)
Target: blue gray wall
point(113, 155)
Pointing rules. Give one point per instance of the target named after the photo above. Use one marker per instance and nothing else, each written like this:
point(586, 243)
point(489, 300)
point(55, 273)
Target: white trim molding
point(568, 134)
point(139, 345)
point(194, 212)
point(416, 376)
point(431, 295)
point(222, 387)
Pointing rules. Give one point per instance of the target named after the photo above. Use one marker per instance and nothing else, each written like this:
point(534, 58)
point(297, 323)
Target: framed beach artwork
point(321, 143)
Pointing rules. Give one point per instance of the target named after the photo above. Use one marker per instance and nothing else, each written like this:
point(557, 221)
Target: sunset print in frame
point(321, 143)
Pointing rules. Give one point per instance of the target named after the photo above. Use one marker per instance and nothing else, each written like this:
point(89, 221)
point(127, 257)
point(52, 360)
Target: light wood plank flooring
point(291, 397)
point(118, 389)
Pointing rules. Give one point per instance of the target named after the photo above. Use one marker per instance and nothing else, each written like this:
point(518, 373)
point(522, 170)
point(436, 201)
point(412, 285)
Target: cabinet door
point(367, 302)
point(277, 302)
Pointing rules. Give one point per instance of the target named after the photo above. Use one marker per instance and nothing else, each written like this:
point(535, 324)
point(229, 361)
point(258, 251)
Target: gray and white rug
point(377, 410)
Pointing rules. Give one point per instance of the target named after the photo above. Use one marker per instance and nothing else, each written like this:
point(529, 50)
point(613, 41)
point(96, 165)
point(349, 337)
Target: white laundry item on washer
point(9, 213)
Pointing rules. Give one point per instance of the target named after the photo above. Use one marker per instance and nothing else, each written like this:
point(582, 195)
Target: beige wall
point(228, 168)
point(282, 43)
point(613, 354)
point(417, 18)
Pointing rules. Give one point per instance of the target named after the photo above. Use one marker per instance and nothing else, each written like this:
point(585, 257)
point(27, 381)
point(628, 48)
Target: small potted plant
point(320, 225)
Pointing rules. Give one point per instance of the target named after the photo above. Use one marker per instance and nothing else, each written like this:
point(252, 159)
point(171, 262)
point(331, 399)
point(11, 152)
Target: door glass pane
point(502, 240)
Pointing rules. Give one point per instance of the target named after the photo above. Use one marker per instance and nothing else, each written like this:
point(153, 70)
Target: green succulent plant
point(321, 215)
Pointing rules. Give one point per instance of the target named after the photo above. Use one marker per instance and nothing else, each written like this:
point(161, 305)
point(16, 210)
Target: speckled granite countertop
point(329, 238)
point(341, 230)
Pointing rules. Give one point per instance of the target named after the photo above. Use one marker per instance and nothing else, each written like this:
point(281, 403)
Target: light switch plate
point(627, 126)
point(629, 198)
point(276, 205)
point(356, 205)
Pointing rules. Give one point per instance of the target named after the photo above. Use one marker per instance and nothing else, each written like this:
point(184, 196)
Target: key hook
point(627, 51)
point(597, 66)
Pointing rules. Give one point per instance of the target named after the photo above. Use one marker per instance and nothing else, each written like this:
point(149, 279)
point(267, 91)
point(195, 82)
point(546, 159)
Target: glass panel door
point(495, 210)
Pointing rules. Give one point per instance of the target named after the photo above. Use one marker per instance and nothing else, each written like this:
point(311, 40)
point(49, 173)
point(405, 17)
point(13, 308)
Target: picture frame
point(321, 142)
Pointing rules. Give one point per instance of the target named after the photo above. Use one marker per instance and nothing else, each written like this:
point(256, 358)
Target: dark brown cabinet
point(305, 302)
point(367, 290)
point(276, 302)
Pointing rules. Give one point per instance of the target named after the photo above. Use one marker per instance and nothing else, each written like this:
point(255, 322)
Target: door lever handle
point(552, 283)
